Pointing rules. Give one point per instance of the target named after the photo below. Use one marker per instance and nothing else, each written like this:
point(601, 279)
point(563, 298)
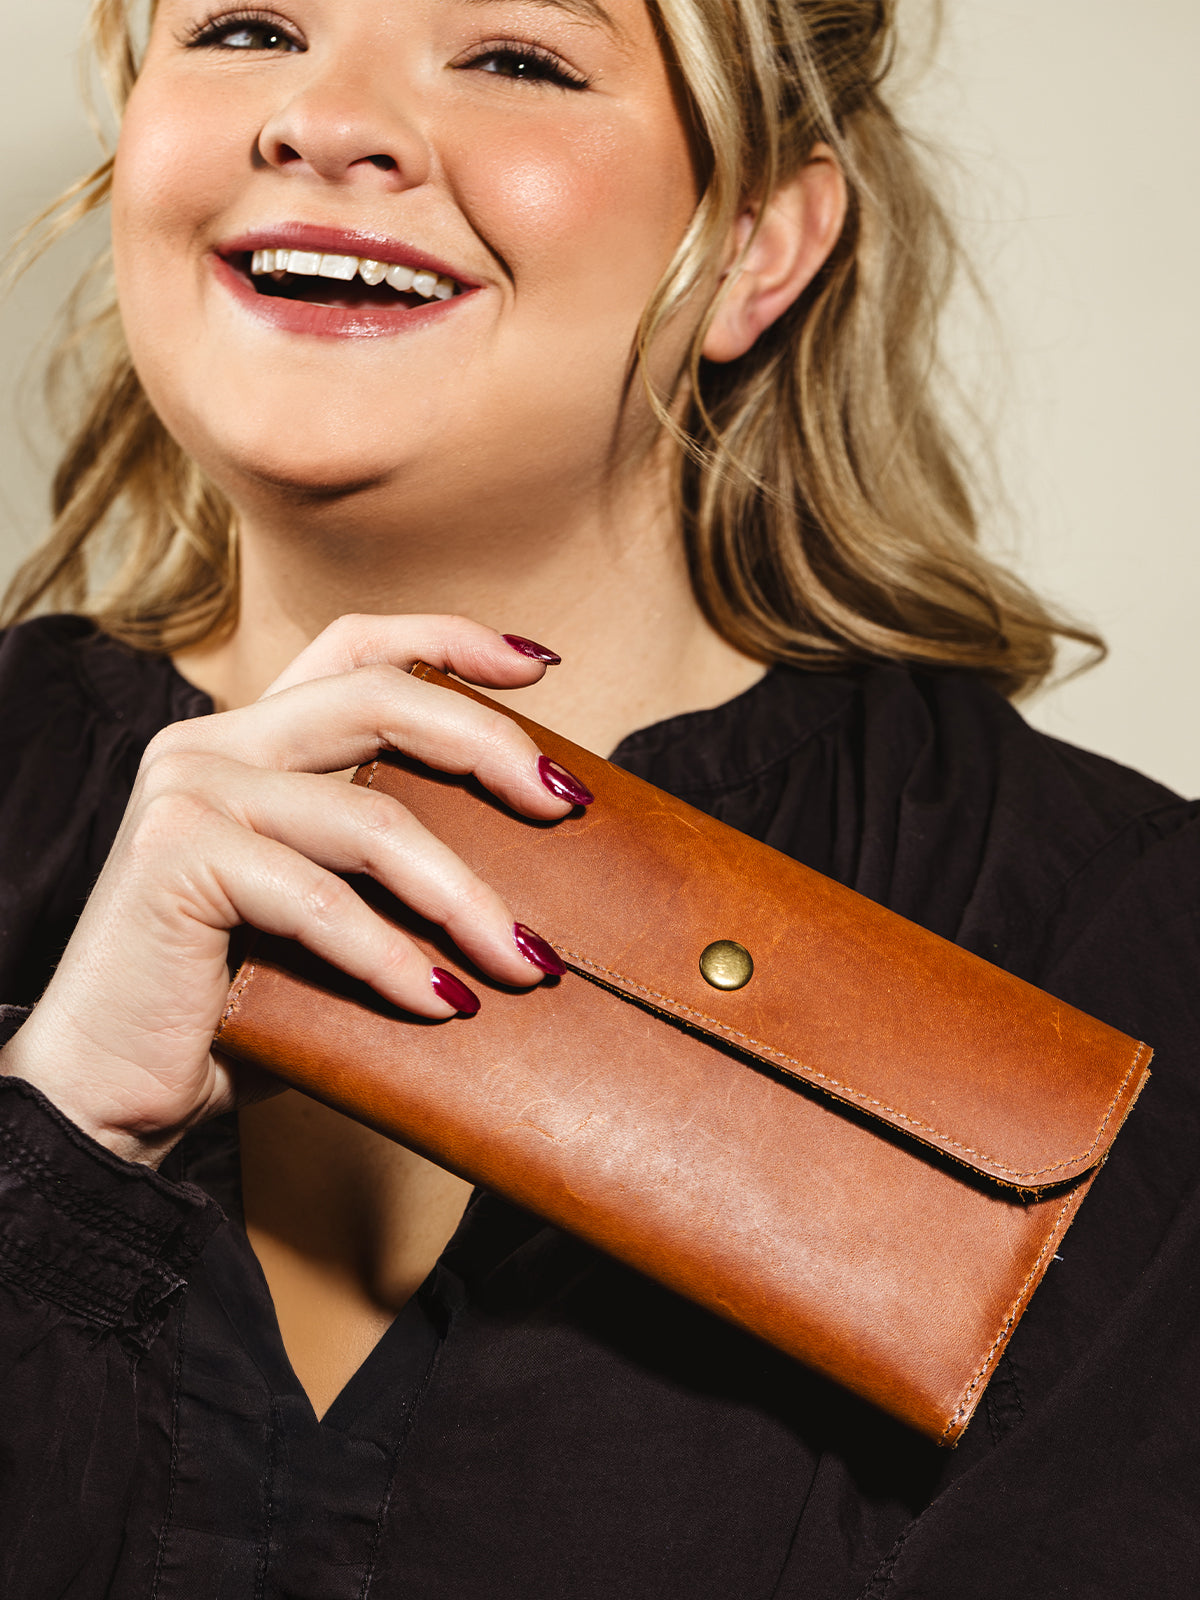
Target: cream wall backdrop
point(1075, 131)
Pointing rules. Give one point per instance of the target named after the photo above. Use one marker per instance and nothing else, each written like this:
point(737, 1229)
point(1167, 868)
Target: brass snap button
point(725, 964)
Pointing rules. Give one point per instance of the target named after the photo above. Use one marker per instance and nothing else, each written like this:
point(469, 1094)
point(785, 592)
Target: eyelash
point(547, 67)
point(213, 32)
point(533, 63)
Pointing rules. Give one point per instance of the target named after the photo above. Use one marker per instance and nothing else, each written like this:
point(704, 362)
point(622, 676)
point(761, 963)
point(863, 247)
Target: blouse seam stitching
point(26, 1271)
point(71, 1200)
point(169, 1512)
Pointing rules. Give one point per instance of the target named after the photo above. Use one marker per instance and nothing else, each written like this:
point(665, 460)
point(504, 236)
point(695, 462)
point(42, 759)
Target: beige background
point(1075, 128)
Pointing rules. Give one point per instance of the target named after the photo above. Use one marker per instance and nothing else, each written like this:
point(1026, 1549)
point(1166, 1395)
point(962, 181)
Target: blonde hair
point(824, 504)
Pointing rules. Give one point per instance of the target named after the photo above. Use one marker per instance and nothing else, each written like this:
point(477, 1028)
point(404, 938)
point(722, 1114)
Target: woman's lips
point(342, 242)
point(370, 319)
point(350, 305)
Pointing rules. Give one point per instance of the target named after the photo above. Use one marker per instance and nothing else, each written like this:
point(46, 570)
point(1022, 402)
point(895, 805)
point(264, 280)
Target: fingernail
point(561, 784)
point(454, 992)
point(535, 949)
point(528, 647)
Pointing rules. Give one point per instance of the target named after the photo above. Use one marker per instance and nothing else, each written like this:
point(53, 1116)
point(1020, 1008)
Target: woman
point(605, 326)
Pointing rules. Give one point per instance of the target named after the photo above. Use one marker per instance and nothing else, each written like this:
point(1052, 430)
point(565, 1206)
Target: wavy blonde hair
point(824, 504)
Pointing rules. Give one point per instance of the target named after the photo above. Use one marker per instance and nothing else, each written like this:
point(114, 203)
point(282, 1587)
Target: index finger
point(469, 650)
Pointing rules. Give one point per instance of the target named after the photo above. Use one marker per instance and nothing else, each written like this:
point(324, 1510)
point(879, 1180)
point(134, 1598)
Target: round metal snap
point(725, 964)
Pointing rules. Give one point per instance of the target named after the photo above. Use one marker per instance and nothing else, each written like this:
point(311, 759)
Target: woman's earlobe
point(796, 233)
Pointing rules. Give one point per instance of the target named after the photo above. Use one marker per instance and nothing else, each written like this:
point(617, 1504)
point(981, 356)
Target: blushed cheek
point(592, 203)
point(538, 200)
point(166, 186)
point(173, 166)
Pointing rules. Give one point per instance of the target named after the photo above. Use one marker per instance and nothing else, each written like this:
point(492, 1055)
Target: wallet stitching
point(1014, 1312)
point(234, 997)
point(857, 1094)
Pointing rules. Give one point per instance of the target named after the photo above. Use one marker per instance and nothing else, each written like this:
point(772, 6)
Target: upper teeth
point(311, 264)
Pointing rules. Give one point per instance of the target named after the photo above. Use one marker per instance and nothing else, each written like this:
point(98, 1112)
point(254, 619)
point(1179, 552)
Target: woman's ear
point(797, 230)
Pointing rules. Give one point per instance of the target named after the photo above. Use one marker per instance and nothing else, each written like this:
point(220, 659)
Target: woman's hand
point(238, 818)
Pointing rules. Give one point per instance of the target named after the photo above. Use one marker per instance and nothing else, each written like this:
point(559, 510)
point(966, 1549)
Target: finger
point(454, 644)
point(354, 830)
point(330, 724)
point(257, 880)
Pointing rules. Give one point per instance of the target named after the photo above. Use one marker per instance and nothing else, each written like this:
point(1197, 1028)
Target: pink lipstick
point(337, 283)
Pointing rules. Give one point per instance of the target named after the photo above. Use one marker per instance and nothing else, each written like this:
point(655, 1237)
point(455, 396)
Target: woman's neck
point(610, 594)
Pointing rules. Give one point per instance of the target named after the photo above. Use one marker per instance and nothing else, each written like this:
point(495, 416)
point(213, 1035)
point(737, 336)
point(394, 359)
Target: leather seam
point(844, 1089)
point(1007, 1327)
point(234, 996)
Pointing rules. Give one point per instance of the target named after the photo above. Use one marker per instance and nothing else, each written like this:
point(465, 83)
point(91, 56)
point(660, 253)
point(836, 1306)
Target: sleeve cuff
point(105, 1240)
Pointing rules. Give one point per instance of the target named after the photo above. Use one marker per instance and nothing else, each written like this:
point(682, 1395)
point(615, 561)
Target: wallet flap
point(846, 996)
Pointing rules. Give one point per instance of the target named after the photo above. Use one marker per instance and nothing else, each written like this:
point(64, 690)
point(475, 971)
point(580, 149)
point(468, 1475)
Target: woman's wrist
point(38, 1061)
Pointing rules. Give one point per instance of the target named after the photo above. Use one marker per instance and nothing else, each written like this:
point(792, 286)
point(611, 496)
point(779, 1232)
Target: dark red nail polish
point(528, 647)
point(454, 992)
point(561, 784)
point(535, 949)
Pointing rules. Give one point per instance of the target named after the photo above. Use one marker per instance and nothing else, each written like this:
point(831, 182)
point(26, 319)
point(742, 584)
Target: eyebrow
point(590, 11)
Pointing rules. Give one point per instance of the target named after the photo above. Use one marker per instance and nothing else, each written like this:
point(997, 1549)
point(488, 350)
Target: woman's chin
point(310, 481)
point(290, 464)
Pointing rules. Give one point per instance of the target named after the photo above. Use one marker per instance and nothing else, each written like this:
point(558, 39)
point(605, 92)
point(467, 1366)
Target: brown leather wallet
point(866, 1154)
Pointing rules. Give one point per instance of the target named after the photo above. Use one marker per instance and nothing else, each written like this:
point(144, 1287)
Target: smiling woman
point(612, 326)
point(560, 162)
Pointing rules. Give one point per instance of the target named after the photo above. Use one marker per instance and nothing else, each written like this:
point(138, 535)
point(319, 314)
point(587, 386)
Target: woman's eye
point(528, 63)
point(242, 32)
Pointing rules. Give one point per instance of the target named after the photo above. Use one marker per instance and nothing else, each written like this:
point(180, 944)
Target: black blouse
point(540, 1423)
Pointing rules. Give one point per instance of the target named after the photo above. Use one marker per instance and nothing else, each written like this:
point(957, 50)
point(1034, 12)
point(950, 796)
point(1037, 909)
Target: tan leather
point(867, 1156)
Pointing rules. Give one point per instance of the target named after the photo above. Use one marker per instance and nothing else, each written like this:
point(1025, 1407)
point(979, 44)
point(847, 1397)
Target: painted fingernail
point(454, 992)
point(534, 948)
point(530, 648)
point(561, 784)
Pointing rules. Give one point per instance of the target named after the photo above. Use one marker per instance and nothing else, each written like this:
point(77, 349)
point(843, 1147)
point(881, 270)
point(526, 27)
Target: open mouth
point(340, 281)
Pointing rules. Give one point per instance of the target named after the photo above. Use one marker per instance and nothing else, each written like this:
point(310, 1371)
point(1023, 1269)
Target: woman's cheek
point(171, 183)
point(514, 191)
point(176, 163)
point(564, 212)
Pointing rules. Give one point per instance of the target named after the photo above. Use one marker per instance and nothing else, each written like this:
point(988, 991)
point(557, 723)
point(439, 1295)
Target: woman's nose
point(342, 131)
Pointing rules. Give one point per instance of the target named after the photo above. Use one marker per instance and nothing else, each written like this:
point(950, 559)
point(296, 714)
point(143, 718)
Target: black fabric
point(539, 1422)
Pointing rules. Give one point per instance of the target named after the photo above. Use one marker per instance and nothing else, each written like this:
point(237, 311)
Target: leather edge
point(973, 1391)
